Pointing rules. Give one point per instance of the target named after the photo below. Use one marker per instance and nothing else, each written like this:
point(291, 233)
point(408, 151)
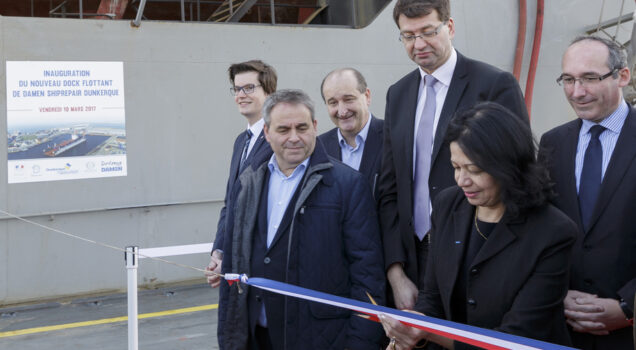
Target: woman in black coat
point(500, 252)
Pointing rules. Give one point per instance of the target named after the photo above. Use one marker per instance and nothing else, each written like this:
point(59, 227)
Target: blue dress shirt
point(280, 192)
point(613, 125)
point(350, 155)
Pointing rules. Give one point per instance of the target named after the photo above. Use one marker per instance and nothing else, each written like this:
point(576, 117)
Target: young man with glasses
point(415, 164)
point(592, 161)
point(251, 83)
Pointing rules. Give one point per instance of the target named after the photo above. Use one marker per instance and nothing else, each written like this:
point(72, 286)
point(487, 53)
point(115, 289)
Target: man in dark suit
point(252, 82)
point(357, 138)
point(416, 160)
point(592, 161)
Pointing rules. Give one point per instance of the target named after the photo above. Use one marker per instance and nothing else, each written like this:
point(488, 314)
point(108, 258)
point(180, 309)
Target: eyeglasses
point(247, 89)
point(588, 79)
point(409, 38)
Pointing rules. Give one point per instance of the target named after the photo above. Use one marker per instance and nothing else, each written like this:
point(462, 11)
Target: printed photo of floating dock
point(71, 141)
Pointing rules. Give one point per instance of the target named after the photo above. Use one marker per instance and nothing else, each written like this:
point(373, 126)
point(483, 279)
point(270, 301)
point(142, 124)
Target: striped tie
point(248, 138)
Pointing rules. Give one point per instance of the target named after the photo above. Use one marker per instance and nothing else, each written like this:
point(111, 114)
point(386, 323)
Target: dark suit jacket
point(517, 281)
point(275, 269)
point(604, 260)
point(371, 156)
point(330, 242)
point(260, 153)
point(472, 82)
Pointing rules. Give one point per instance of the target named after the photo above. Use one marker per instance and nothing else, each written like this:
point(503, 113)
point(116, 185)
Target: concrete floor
point(180, 331)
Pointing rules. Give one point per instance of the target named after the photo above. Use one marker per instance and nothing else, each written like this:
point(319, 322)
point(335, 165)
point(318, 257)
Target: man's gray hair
point(617, 57)
point(290, 96)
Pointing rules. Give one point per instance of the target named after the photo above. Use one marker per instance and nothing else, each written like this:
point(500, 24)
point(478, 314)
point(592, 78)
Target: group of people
point(447, 199)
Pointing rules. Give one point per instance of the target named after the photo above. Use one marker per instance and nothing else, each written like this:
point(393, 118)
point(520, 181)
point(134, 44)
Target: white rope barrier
point(132, 256)
point(156, 257)
point(132, 264)
point(175, 250)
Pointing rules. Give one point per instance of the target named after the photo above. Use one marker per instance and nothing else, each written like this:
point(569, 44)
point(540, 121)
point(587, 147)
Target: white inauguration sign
point(65, 120)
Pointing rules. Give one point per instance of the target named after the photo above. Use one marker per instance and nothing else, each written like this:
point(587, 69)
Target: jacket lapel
point(255, 150)
point(371, 149)
point(332, 145)
point(455, 91)
point(462, 220)
point(286, 220)
point(235, 162)
point(500, 237)
point(569, 194)
point(251, 183)
point(621, 159)
point(405, 121)
point(310, 180)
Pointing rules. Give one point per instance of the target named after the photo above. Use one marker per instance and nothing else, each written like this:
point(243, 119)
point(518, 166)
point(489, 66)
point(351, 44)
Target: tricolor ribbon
point(484, 338)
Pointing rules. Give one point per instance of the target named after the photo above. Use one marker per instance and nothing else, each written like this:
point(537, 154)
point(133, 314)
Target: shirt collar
point(257, 127)
point(273, 167)
point(613, 122)
point(444, 73)
point(361, 137)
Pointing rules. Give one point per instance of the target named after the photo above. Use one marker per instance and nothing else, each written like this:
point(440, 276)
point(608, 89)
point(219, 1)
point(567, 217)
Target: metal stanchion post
point(131, 267)
point(140, 12)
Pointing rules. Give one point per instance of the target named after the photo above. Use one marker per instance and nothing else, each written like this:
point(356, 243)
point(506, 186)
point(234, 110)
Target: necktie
point(423, 144)
point(590, 182)
point(248, 138)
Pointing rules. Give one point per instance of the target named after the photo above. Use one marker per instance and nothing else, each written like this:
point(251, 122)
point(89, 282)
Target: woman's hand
point(402, 336)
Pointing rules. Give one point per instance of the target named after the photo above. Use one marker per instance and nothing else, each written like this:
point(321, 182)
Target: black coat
point(604, 257)
point(472, 82)
point(261, 152)
point(517, 281)
point(334, 248)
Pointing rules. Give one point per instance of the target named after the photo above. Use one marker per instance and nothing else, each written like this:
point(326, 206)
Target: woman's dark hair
point(501, 144)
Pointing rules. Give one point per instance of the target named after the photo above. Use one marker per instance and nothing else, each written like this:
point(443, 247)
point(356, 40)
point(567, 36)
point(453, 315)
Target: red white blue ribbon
point(484, 338)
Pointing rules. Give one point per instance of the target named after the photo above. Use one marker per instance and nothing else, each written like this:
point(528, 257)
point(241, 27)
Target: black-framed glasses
point(588, 79)
point(409, 38)
point(247, 89)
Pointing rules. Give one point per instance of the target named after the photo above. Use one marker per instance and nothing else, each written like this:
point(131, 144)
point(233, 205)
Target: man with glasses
point(592, 161)
point(416, 160)
point(252, 82)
